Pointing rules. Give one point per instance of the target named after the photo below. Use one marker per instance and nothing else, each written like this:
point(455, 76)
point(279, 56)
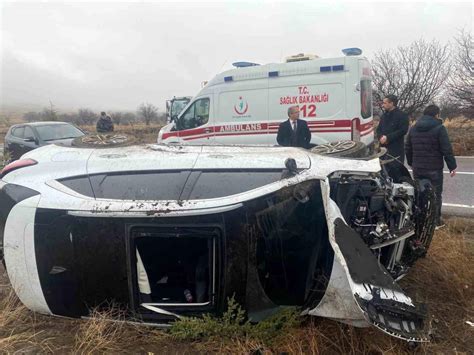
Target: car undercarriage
point(286, 228)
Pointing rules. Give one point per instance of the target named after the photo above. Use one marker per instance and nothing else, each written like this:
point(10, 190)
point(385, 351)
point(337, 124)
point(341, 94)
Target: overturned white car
point(170, 231)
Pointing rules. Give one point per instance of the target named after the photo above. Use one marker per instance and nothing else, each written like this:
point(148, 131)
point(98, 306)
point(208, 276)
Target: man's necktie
point(294, 125)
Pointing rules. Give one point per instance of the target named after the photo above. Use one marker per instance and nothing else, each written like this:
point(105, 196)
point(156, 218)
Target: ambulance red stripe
point(326, 126)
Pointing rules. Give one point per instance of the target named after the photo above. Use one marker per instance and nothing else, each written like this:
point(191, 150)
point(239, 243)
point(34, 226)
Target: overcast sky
point(116, 55)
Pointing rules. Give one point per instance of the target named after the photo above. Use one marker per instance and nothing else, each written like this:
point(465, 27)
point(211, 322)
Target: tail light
point(355, 130)
point(17, 164)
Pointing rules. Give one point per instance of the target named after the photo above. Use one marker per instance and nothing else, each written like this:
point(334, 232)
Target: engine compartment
point(392, 218)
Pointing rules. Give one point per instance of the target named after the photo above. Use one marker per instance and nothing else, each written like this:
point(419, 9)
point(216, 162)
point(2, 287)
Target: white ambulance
point(246, 105)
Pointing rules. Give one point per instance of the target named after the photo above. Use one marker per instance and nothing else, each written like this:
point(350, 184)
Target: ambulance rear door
point(242, 112)
point(366, 127)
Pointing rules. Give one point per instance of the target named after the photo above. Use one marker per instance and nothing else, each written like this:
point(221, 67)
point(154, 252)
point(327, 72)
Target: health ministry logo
point(241, 106)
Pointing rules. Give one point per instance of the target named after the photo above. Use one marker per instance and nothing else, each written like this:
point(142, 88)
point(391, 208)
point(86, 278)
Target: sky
point(116, 55)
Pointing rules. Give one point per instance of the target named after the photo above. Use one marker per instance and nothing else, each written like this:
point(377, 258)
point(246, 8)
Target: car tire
point(343, 149)
point(103, 140)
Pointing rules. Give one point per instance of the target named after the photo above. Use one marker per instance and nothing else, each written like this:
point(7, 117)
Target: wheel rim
point(333, 147)
point(104, 139)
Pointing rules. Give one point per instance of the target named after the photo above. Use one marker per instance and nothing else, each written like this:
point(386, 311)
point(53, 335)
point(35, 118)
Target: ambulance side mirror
point(173, 126)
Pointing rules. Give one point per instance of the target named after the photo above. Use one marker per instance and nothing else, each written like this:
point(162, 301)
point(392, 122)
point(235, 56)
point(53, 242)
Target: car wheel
point(103, 140)
point(346, 149)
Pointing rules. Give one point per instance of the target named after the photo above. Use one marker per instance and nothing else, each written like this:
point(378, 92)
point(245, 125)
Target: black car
point(22, 138)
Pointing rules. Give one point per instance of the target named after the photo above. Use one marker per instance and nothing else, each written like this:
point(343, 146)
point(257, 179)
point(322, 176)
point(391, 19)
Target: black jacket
point(105, 124)
point(394, 125)
point(300, 139)
point(427, 144)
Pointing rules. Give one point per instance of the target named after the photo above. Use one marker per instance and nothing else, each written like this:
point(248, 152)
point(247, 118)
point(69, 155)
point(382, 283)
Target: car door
point(15, 143)
point(30, 140)
point(195, 124)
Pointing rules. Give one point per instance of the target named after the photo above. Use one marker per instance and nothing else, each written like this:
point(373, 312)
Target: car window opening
point(174, 267)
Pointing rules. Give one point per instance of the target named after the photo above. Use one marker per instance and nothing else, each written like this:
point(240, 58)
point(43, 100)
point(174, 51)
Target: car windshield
point(58, 131)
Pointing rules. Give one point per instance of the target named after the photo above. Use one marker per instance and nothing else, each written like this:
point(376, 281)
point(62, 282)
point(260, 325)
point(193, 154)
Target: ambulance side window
point(366, 98)
point(196, 115)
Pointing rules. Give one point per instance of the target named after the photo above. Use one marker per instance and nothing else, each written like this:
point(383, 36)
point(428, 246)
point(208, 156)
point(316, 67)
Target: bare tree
point(128, 118)
point(415, 73)
point(117, 117)
point(148, 112)
point(49, 113)
point(461, 81)
point(86, 116)
point(32, 116)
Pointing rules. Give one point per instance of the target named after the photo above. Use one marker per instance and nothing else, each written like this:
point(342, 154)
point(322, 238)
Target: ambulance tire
point(103, 140)
point(343, 149)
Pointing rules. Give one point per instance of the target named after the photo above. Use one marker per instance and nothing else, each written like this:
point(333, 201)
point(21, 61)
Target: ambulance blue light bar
point(352, 51)
point(272, 74)
point(324, 69)
point(228, 78)
point(337, 67)
point(244, 64)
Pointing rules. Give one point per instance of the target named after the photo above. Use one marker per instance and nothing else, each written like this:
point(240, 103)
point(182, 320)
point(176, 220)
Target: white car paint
point(20, 257)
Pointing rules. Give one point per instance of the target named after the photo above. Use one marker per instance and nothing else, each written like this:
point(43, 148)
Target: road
point(458, 195)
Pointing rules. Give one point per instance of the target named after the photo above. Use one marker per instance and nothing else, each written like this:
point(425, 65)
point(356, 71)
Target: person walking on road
point(426, 146)
point(104, 124)
point(294, 132)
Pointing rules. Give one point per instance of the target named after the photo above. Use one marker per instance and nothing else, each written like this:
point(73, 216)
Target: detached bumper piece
point(394, 318)
point(379, 297)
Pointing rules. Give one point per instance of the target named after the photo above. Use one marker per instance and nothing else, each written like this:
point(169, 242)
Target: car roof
point(46, 123)
point(38, 124)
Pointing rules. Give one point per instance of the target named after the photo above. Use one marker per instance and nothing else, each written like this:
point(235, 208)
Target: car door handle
point(208, 130)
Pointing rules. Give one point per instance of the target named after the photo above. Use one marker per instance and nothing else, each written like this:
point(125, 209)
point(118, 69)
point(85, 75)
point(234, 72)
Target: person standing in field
point(426, 146)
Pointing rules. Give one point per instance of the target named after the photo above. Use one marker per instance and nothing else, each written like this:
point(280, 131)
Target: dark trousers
point(436, 179)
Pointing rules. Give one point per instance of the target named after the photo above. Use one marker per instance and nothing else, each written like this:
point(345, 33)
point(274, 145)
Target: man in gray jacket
point(426, 146)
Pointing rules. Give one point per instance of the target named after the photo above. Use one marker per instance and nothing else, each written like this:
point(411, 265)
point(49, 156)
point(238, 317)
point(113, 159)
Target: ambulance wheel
point(100, 140)
point(346, 149)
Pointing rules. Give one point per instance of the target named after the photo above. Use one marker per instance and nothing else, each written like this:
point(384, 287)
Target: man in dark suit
point(294, 132)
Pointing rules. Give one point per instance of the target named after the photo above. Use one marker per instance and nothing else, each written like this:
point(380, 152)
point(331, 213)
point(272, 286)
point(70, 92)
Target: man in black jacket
point(294, 132)
point(426, 146)
point(392, 128)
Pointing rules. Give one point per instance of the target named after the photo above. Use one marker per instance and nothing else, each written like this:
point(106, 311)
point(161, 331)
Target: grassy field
point(443, 280)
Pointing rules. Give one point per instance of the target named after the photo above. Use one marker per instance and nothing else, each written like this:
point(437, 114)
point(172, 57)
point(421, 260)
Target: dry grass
point(99, 333)
point(443, 280)
point(461, 133)
point(141, 132)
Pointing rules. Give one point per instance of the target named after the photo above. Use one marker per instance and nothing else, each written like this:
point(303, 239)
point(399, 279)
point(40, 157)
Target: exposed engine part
point(382, 213)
